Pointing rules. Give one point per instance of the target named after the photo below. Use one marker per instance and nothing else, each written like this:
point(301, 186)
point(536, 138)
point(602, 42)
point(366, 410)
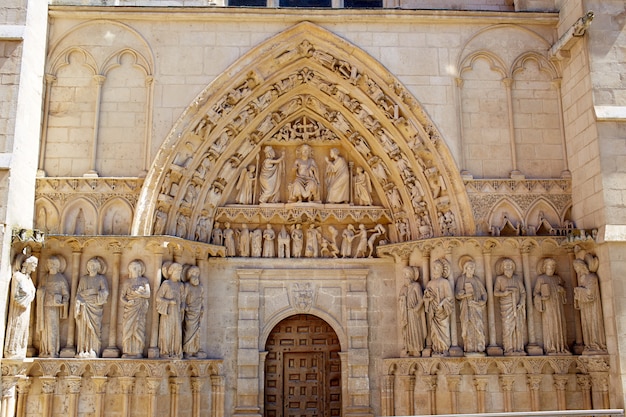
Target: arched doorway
point(302, 369)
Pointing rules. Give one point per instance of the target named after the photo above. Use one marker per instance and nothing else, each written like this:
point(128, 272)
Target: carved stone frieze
point(490, 200)
point(285, 213)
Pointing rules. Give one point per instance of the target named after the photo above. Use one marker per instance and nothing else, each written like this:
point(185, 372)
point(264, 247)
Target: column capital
point(99, 383)
point(196, 383)
point(126, 383)
point(560, 382)
point(48, 384)
point(73, 384)
point(507, 382)
point(153, 385)
point(431, 382)
point(99, 79)
point(481, 382)
point(23, 385)
point(453, 382)
point(534, 381)
point(584, 381)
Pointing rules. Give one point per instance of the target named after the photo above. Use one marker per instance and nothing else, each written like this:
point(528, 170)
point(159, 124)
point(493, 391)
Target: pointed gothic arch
point(309, 72)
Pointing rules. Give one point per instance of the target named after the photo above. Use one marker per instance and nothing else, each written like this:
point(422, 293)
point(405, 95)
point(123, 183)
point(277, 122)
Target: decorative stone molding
point(522, 201)
point(306, 70)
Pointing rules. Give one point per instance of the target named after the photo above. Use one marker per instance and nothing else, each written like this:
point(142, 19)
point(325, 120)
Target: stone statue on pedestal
point(53, 300)
point(412, 316)
point(91, 296)
point(22, 294)
point(134, 298)
point(510, 289)
point(170, 300)
point(549, 298)
point(472, 297)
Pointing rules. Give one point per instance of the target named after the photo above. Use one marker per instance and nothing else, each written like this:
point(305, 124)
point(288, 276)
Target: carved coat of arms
point(302, 296)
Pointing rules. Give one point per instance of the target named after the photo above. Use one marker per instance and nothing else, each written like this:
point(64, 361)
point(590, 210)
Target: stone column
point(175, 384)
point(69, 351)
point(425, 279)
point(534, 385)
point(148, 132)
point(584, 381)
point(196, 387)
point(408, 385)
point(453, 387)
point(100, 383)
point(508, 84)
point(73, 390)
point(493, 349)
point(480, 382)
point(387, 395)
point(50, 79)
point(262, 358)
point(217, 396)
point(99, 80)
point(36, 276)
point(506, 383)
point(153, 350)
point(126, 384)
point(48, 386)
point(431, 386)
point(23, 387)
point(354, 290)
point(560, 384)
point(455, 350)
point(556, 83)
point(154, 383)
point(7, 408)
point(249, 301)
point(600, 385)
point(458, 98)
point(532, 348)
point(112, 351)
point(578, 344)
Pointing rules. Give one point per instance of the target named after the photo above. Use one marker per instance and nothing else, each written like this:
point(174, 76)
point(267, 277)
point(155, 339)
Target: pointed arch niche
point(305, 76)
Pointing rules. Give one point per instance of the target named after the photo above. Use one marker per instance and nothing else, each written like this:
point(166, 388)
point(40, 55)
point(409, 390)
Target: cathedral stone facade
point(405, 207)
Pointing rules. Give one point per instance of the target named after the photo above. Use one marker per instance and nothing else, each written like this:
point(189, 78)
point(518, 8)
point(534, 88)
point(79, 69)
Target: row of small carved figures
point(295, 243)
point(426, 313)
point(179, 302)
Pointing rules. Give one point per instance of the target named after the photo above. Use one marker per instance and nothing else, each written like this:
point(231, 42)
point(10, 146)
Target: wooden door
point(303, 392)
point(303, 369)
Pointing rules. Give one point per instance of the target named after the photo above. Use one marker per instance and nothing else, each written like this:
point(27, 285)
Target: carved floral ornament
point(305, 86)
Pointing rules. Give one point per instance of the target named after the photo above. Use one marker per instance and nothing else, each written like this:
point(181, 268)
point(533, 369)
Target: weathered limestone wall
point(426, 57)
point(23, 29)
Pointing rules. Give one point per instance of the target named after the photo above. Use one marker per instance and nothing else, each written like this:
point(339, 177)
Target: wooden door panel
point(303, 369)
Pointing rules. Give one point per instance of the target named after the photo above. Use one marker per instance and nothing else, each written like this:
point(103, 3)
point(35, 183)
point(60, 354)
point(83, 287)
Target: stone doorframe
point(337, 296)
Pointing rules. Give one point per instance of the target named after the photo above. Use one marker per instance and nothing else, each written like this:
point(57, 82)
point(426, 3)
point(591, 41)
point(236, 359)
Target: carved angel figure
point(362, 188)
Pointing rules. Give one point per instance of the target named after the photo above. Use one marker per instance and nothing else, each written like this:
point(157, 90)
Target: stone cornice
point(294, 15)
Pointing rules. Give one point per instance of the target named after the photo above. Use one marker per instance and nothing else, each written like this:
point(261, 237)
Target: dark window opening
point(305, 3)
point(362, 4)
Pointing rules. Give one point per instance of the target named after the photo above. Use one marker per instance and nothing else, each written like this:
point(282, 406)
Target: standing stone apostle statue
point(91, 296)
point(53, 299)
point(22, 294)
